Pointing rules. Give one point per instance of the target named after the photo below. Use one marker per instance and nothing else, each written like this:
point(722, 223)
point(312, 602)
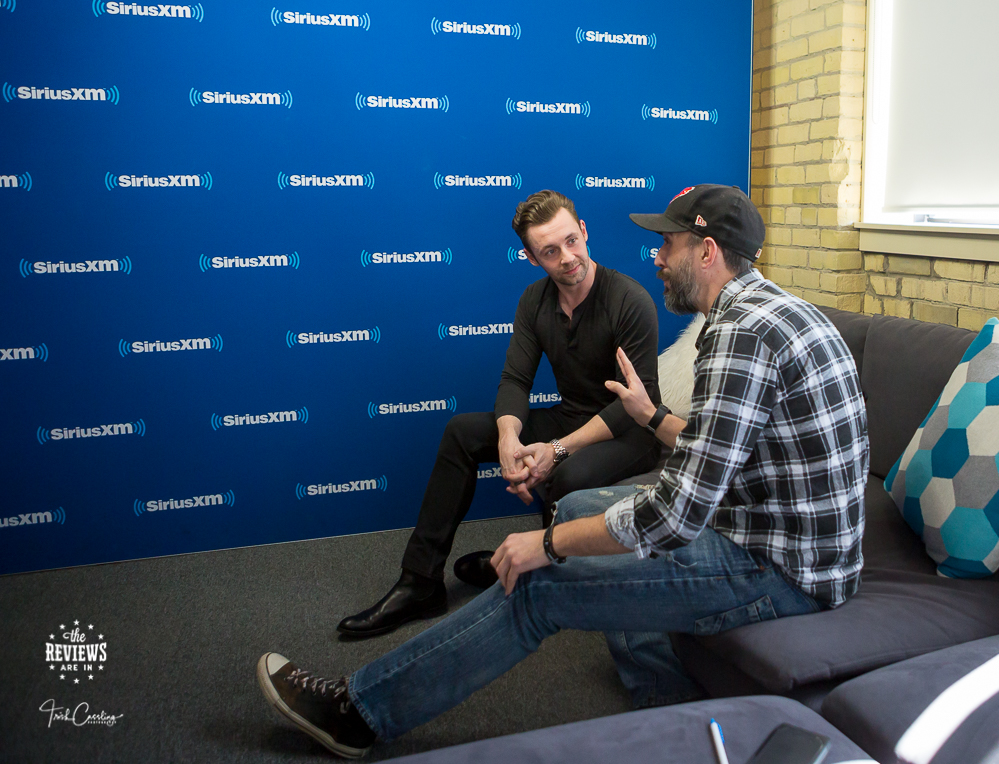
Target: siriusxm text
point(134, 9)
point(484, 180)
point(261, 261)
point(28, 518)
point(545, 398)
point(615, 182)
point(326, 20)
point(95, 652)
point(263, 99)
point(10, 181)
point(489, 472)
point(352, 335)
point(236, 420)
point(321, 489)
point(68, 433)
point(409, 408)
point(159, 505)
point(71, 94)
point(87, 266)
point(407, 257)
point(661, 113)
point(620, 39)
point(17, 354)
point(549, 108)
point(158, 346)
point(462, 331)
point(163, 181)
point(461, 27)
point(388, 102)
point(329, 180)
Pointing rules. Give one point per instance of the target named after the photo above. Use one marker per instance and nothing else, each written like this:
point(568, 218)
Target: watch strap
point(657, 418)
point(560, 453)
point(549, 549)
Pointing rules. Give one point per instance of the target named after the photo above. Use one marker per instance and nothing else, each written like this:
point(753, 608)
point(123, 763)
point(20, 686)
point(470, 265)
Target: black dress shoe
point(412, 597)
point(475, 569)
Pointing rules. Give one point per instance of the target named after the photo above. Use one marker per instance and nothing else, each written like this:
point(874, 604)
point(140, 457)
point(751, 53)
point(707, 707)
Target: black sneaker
point(320, 707)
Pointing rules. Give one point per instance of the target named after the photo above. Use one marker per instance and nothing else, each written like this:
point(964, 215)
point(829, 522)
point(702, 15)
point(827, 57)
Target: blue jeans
point(705, 587)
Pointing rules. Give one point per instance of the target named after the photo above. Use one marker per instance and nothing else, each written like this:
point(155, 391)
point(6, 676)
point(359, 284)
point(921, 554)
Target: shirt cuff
point(620, 521)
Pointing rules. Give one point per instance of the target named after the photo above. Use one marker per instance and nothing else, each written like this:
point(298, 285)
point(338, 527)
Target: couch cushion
point(902, 609)
point(946, 482)
point(876, 709)
point(906, 364)
point(853, 327)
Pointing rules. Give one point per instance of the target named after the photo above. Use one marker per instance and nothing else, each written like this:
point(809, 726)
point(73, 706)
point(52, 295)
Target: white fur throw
point(676, 369)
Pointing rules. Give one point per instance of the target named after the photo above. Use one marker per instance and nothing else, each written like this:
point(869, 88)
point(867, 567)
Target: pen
point(719, 740)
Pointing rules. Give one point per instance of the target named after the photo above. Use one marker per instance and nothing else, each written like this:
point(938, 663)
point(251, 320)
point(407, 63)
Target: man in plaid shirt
point(758, 513)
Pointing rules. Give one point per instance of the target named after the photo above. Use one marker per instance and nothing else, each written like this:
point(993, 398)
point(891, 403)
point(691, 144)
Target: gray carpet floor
point(184, 633)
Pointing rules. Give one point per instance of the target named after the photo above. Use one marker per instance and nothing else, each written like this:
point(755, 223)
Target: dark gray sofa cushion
point(670, 735)
point(875, 709)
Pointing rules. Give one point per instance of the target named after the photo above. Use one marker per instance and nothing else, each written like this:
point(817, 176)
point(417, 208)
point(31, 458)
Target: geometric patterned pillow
point(946, 483)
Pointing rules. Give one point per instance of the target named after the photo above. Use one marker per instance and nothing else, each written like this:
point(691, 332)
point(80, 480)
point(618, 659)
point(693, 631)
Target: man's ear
point(582, 228)
point(530, 257)
point(711, 254)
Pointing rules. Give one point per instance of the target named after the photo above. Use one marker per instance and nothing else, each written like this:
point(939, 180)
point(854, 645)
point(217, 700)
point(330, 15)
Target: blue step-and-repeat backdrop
point(254, 257)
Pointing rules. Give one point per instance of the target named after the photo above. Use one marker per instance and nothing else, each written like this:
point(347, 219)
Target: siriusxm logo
point(10, 5)
point(545, 398)
point(36, 353)
point(325, 20)
point(34, 518)
point(661, 112)
point(515, 255)
point(16, 181)
point(30, 93)
point(208, 500)
point(252, 99)
point(44, 435)
point(349, 335)
point(536, 107)
point(594, 182)
point(490, 472)
point(390, 102)
point(461, 181)
point(203, 180)
point(649, 253)
point(237, 420)
point(462, 27)
point(196, 12)
point(259, 261)
point(47, 267)
point(648, 40)
point(312, 181)
point(449, 404)
point(158, 346)
point(444, 330)
point(396, 258)
point(323, 489)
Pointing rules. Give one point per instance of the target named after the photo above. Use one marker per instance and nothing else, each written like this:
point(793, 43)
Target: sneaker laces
point(314, 683)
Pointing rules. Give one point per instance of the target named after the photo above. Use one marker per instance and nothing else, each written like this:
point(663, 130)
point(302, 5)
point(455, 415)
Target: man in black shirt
point(578, 315)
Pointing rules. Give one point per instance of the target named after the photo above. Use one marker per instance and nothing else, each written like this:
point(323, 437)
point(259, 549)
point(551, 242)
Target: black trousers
point(472, 439)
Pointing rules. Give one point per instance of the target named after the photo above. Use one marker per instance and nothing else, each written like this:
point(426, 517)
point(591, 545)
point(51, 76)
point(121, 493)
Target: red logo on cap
point(700, 221)
point(687, 190)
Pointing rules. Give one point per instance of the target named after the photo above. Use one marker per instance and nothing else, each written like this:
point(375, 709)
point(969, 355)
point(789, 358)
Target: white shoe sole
point(267, 686)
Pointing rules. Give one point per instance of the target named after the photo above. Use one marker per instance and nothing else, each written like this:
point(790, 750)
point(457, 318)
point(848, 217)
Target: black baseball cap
point(722, 212)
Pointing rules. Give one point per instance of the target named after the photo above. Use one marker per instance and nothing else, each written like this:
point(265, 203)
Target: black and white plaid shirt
point(774, 454)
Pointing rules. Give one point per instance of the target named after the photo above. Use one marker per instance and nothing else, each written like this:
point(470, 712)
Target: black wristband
point(657, 418)
point(549, 549)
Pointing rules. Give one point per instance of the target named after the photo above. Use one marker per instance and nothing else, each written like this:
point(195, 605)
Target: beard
point(577, 277)
point(678, 293)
